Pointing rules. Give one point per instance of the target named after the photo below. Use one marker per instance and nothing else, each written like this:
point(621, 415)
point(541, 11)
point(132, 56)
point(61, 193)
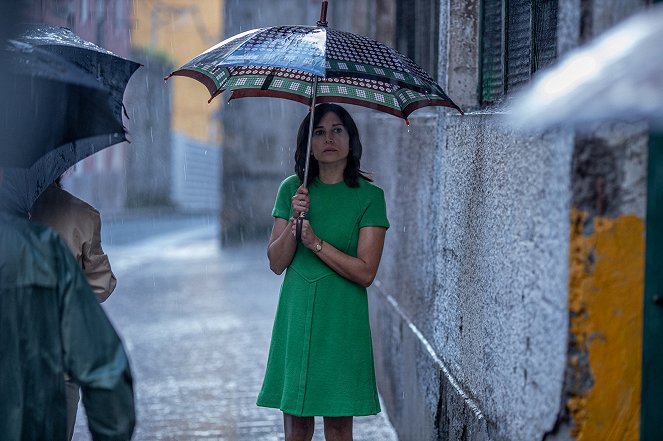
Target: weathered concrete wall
point(601, 398)
point(196, 177)
point(473, 280)
point(492, 317)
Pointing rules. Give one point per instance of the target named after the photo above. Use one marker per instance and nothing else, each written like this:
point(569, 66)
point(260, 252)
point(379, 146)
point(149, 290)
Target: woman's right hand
point(300, 202)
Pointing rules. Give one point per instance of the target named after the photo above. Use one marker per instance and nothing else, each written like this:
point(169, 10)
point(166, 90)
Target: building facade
point(175, 31)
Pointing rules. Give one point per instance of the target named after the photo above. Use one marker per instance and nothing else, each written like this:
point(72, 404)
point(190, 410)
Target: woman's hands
point(300, 202)
point(282, 243)
point(309, 239)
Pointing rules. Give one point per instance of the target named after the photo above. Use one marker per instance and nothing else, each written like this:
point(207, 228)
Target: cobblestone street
point(196, 321)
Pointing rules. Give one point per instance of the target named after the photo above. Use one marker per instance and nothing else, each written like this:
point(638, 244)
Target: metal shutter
point(544, 33)
point(518, 43)
point(518, 37)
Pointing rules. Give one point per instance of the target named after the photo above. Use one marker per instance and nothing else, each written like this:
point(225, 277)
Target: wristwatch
point(318, 247)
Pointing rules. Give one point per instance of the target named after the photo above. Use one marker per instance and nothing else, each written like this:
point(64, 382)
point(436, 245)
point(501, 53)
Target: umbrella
point(617, 76)
point(315, 64)
point(285, 61)
point(60, 107)
point(41, 86)
point(288, 61)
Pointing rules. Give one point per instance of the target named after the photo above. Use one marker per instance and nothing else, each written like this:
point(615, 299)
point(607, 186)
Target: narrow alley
point(196, 321)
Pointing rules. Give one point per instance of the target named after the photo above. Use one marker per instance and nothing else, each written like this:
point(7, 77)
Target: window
point(417, 32)
point(518, 37)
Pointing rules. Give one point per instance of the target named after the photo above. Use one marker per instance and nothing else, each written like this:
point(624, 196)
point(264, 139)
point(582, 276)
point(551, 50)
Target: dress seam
point(303, 375)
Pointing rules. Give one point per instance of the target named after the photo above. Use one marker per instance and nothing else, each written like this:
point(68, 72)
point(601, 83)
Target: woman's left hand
point(309, 239)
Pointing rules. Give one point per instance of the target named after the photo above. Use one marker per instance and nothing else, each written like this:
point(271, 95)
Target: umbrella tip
point(214, 95)
point(323, 14)
point(166, 77)
point(407, 122)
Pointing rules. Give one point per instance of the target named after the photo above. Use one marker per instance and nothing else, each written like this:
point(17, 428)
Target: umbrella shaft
point(310, 130)
point(323, 14)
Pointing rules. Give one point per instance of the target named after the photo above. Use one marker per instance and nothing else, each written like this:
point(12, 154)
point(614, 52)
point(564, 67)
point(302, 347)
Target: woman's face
point(331, 140)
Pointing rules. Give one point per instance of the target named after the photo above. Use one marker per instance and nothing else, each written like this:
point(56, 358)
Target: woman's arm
point(282, 245)
point(360, 269)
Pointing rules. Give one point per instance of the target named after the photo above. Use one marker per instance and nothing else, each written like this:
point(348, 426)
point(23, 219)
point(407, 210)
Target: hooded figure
point(52, 324)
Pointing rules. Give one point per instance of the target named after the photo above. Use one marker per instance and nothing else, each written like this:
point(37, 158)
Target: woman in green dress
point(320, 360)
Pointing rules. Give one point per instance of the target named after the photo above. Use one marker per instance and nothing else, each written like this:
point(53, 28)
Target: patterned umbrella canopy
point(284, 62)
point(315, 64)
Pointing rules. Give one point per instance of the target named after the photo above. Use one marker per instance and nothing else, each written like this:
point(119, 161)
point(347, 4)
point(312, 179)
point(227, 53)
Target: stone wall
point(470, 309)
point(480, 308)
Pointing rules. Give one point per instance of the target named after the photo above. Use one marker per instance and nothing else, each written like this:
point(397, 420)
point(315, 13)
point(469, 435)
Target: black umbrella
point(48, 103)
point(62, 103)
point(110, 70)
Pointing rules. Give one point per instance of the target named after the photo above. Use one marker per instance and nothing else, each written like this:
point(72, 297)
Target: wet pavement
point(196, 321)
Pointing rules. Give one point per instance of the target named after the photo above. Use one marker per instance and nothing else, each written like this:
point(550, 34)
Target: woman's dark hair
point(352, 171)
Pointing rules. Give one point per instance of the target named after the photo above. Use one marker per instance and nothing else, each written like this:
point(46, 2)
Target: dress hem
point(318, 414)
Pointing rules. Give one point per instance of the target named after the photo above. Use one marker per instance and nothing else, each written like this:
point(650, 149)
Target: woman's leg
point(298, 428)
point(338, 428)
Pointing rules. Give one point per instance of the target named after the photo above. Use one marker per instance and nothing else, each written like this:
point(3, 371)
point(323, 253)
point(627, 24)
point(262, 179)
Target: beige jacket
point(79, 224)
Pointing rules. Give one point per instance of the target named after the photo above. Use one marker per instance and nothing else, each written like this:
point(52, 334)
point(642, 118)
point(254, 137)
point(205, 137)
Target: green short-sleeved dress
point(321, 359)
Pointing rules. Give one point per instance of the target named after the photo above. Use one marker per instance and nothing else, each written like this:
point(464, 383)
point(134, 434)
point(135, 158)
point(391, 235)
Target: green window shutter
point(405, 43)
point(426, 56)
point(652, 352)
point(417, 32)
point(518, 37)
point(518, 43)
point(492, 50)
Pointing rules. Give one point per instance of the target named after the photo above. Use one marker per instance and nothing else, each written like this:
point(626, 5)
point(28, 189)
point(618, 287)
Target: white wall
point(196, 175)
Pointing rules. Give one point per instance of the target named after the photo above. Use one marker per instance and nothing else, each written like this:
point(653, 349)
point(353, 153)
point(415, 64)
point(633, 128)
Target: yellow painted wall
point(606, 304)
point(184, 29)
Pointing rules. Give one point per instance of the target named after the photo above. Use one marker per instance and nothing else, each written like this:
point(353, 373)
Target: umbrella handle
point(299, 222)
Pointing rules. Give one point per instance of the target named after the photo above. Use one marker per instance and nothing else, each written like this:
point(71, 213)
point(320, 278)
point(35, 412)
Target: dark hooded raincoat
point(51, 323)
